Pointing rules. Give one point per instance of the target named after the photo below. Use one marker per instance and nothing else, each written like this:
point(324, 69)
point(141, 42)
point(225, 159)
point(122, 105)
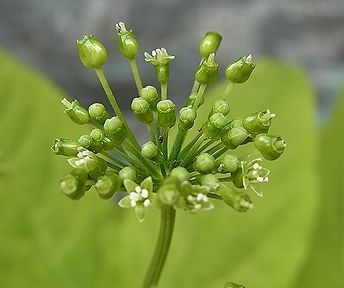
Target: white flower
point(254, 174)
point(140, 197)
point(158, 57)
point(199, 202)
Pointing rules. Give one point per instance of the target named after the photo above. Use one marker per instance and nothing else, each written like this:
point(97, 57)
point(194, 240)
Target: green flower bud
point(150, 94)
point(88, 142)
point(86, 160)
point(235, 198)
point(149, 150)
point(127, 42)
point(221, 106)
point(235, 136)
point(76, 113)
point(210, 43)
point(73, 184)
point(128, 173)
point(97, 135)
point(166, 113)
point(160, 59)
point(181, 173)
point(240, 70)
point(65, 147)
point(205, 163)
point(169, 193)
point(213, 126)
point(207, 71)
point(210, 181)
point(236, 122)
point(233, 285)
point(107, 185)
point(270, 146)
point(258, 122)
point(187, 118)
point(91, 51)
point(98, 113)
point(142, 110)
point(229, 163)
point(115, 130)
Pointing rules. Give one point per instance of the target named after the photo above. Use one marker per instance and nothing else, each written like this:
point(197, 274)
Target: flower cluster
point(185, 175)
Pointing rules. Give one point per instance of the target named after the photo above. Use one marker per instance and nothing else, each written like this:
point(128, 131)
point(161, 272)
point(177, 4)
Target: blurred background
point(309, 33)
point(294, 238)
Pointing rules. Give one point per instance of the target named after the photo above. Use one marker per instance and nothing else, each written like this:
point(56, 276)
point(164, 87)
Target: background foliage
point(293, 237)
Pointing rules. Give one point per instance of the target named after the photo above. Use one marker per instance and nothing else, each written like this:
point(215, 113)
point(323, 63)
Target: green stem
point(136, 74)
point(156, 266)
point(199, 96)
point(115, 106)
point(178, 143)
point(228, 90)
point(164, 91)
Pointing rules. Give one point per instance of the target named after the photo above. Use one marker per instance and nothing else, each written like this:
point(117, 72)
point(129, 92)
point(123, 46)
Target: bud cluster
point(167, 175)
point(183, 176)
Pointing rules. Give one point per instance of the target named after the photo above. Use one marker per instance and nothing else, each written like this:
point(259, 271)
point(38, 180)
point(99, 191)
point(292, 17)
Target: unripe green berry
point(229, 163)
point(207, 71)
point(98, 113)
point(166, 113)
point(149, 150)
point(91, 51)
point(270, 146)
point(128, 173)
point(127, 42)
point(240, 70)
point(187, 116)
point(115, 130)
point(150, 94)
point(237, 199)
point(210, 43)
point(73, 184)
point(65, 147)
point(76, 113)
point(181, 173)
point(107, 185)
point(142, 110)
point(205, 163)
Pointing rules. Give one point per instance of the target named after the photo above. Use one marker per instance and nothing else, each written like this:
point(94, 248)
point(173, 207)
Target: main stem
point(152, 277)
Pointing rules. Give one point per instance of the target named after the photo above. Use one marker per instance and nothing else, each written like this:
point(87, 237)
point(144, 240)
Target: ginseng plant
point(186, 175)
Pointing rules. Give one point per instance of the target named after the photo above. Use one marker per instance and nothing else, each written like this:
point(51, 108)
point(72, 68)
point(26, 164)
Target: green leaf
point(265, 246)
point(325, 265)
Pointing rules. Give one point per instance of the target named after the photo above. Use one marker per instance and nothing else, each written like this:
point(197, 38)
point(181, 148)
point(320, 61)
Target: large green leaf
point(327, 250)
point(50, 241)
